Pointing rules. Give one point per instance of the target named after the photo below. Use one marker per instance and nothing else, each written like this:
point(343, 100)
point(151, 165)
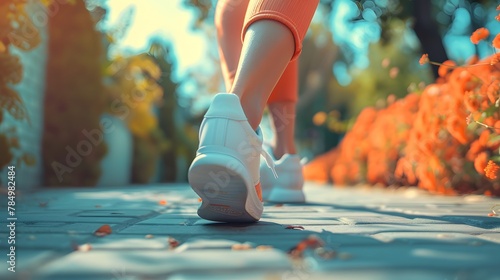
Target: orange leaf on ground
point(85, 247)
point(103, 230)
point(311, 242)
point(241, 247)
point(173, 243)
point(162, 202)
point(82, 248)
point(264, 247)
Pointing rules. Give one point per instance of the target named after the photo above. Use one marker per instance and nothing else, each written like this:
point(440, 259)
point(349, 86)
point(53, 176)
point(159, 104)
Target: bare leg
point(283, 115)
point(267, 49)
point(229, 22)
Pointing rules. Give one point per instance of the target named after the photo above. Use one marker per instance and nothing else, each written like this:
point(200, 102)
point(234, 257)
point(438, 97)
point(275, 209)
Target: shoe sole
point(280, 195)
point(226, 195)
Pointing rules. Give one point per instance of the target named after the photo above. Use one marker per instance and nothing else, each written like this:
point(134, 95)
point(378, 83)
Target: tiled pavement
point(366, 234)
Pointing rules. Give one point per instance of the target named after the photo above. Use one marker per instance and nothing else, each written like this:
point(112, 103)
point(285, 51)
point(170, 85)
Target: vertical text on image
point(11, 219)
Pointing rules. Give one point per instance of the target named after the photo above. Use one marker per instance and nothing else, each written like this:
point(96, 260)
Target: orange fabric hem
point(281, 18)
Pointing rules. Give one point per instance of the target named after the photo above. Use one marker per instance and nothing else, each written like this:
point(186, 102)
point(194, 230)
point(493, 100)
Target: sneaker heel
point(219, 180)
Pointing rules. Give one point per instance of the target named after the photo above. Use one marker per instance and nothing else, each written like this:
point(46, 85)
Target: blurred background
point(112, 92)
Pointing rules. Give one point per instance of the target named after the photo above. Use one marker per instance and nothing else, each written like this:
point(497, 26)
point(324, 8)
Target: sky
point(167, 19)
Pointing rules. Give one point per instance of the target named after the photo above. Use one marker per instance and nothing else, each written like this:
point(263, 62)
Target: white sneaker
point(225, 172)
point(287, 187)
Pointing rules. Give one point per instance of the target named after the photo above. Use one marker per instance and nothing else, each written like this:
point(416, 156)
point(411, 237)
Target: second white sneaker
point(288, 186)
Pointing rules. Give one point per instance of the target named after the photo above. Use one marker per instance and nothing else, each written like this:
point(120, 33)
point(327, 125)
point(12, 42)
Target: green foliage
point(5, 148)
point(393, 69)
point(203, 10)
point(15, 24)
point(181, 144)
point(74, 98)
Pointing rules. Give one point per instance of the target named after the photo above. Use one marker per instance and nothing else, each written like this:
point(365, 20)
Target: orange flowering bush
point(445, 139)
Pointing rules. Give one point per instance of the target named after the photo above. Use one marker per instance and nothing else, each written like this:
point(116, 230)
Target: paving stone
point(121, 242)
point(493, 237)
point(231, 276)
point(477, 221)
point(382, 234)
point(385, 219)
point(208, 228)
point(154, 263)
point(377, 228)
point(25, 261)
point(115, 213)
point(206, 244)
point(415, 238)
point(404, 273)
point(158, 221)
point(59, 217)
point(47, 241)
point(55, 227)
point(303, 222)
point(177, 216)
point(453, 257)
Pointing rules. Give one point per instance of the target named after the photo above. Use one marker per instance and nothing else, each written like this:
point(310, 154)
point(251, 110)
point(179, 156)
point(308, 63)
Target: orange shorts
point(232, 19)
point(294, 14)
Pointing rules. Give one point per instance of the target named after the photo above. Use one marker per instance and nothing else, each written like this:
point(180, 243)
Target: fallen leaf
point(85, 247)
point(241, 247)
point(149, 236)
point(98, 206)
point(162, 202)
point(82, 248)
point(173, 243)
point(103, 230)
point(294, 227)
point(264, 247)
point(494, 210)
point(312, 242)
point(199, 199)
point(325, 253)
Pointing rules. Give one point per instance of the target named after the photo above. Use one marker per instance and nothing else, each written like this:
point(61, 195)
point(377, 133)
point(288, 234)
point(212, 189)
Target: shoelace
point(269, 161)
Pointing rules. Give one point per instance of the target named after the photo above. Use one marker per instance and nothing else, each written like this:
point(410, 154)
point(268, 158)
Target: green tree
point(182, 144)
point(15, 24)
